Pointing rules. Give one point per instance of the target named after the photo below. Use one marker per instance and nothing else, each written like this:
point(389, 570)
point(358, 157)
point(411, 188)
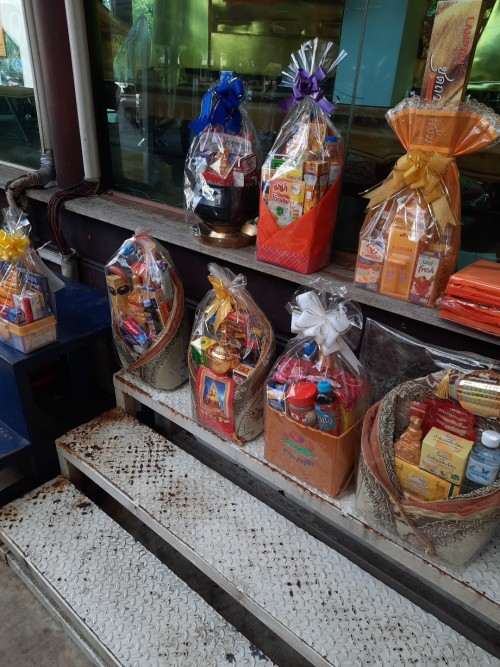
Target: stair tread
point(131, 604)
point(475, 585)
point(326, 607)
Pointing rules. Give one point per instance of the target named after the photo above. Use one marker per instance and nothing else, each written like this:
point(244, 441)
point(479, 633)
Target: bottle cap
point(146, 302)
point(324, 386)
point(302, 393)
point(310, 348)
point(331, 138)
point(128, 250)
point(490, 439)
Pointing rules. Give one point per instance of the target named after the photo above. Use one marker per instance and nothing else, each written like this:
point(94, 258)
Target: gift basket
point(301, 176)
point(425, 472)
point(232, 348)
point(27, 287)
point(222, 169)
point(317, 393)
point(409, 241)
point(149, 324)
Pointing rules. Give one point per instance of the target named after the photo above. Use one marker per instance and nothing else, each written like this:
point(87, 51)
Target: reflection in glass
point(159, 57)
point(19, 138)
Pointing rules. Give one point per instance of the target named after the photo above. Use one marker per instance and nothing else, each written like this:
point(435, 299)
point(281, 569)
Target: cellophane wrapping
point(302, 174)
point(454, 529)
point(409, 241)
point(318, 444)
point(222, 168)
point(149, 323)
point(232, 348)
point(27, 286)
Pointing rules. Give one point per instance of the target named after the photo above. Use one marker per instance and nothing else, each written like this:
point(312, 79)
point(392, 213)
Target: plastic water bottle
point(327, 409)
point(484, 462)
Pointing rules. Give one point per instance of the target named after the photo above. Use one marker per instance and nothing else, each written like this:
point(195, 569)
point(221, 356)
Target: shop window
point(19, 136)
point(160, 56)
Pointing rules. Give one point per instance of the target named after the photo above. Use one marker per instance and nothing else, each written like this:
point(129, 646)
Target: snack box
point(421, 484)
point(316, 181)
point(286, 200)
point(29, 337)
point(445, 454)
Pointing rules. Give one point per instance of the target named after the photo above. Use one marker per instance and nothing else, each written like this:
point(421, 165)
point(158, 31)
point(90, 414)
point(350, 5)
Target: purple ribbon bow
point(305, 85)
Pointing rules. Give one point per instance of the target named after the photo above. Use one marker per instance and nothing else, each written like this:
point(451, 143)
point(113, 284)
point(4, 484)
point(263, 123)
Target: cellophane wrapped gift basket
point(231, 351)
point(301, 176)
point(149, 323)
point(409, 242)
point(317, 393)
point(222, 168)
point(27, 287)
point(416, 473)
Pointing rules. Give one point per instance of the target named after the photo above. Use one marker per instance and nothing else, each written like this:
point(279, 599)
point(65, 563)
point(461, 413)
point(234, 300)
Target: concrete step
point(326, 608)
point(122, 606)
point(474, 588)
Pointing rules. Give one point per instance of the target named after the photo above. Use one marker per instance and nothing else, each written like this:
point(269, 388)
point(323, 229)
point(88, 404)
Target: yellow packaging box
point(445, 455)
point(421, 484)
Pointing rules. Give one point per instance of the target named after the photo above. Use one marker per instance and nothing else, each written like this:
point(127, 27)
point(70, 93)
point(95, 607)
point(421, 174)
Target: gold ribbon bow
point(12, 246)
point(222, 304)
point(421, 171)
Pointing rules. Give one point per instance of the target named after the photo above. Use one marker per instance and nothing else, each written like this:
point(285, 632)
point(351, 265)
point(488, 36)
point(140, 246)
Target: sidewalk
point(29, 636)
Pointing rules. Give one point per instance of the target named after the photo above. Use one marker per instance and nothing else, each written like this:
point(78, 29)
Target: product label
point(327, 419)
point(481, 472)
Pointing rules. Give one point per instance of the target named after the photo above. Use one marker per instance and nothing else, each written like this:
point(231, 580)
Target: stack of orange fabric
point(472, 297)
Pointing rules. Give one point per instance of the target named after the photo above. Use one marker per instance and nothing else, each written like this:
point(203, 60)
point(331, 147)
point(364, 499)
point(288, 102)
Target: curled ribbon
point(222, 304)
point(325, 326)
point(220, 105)
point(421, 171)
point(305, 85)
point(12, 246)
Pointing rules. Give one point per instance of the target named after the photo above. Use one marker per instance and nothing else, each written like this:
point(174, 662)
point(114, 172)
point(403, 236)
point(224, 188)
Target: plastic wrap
point(317, 392)
point(391, 357)
point(150, 328)
point(232, 348)
point(409, 241)
point(301, 176)
point(222, 169)
point(27, 286)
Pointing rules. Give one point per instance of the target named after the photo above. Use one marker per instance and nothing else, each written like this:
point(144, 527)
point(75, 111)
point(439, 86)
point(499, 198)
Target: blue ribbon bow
point(305, 85)
point(220, 106)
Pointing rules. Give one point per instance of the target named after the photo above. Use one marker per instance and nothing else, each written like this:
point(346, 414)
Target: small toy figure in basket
point(232, 346)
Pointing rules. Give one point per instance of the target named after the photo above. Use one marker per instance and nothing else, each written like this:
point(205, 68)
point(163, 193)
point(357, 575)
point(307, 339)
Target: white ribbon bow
point(325, 326)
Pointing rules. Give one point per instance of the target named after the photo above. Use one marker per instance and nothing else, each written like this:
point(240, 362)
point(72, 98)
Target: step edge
point(462, 593)
point(244, 599)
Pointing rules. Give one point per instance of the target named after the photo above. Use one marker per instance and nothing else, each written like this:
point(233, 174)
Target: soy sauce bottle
point(327, 409)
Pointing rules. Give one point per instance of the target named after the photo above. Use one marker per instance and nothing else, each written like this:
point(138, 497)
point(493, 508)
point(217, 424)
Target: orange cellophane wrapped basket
point(301, 176)
point(409, 241)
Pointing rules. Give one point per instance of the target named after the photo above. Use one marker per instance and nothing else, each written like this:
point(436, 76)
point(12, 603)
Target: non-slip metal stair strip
point(475, 587)
point(132, 610)
point(320, 603)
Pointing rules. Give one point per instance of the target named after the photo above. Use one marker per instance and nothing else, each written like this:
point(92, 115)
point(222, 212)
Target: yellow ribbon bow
point(12, 246)
point(421, 171)
point(222, 304)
